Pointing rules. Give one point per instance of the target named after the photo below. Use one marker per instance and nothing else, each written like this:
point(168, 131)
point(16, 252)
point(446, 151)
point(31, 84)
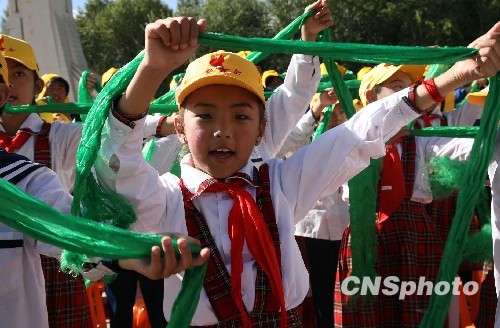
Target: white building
point(49, 27)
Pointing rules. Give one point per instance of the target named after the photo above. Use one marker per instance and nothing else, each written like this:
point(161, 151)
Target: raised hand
point(171, 42)
point(320, 20)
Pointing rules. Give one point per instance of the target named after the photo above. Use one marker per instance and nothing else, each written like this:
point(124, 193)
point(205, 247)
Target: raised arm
point(169, 44)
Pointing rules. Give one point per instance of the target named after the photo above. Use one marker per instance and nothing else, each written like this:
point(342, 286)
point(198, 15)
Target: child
point(22, 292)
point(222, 106)
point(321, 229)
point(53, 145)
point(409, 245)
point(287, 105)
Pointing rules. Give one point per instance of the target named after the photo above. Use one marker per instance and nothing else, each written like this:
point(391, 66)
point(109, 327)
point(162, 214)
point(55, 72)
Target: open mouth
point(222, 154)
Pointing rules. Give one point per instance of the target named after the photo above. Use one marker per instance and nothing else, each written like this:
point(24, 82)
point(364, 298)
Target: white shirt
point(22, 290)
point(465, 115)
point(296, 184)
point(64, 139)
point(284, 108)
point(494, 175)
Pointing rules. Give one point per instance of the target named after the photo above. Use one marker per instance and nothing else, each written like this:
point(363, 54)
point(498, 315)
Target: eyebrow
point(209, 105)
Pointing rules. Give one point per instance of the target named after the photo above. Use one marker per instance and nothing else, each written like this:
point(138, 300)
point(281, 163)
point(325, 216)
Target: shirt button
point(120, 133)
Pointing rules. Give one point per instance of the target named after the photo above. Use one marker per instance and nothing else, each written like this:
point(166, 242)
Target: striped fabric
point(14, 167)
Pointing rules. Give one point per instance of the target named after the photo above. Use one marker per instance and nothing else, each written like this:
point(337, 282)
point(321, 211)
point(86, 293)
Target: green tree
point(237, 17)
point(189, 8)
point(112, 32)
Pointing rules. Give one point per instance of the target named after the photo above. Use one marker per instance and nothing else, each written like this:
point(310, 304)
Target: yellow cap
point(107, 75)
point(224, 68)
point(18, 50)
point(357, 104)
point(268, 74)
point(341, 68)
point(4, 71)
point(243, 53)
point(362, 72)
point(46, 78)
point(478, 98)
point(382, 72)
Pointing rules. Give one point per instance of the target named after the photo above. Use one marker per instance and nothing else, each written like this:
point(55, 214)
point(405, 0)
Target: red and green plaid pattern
point(217, 283)
point(409, 247)
point(67, 302)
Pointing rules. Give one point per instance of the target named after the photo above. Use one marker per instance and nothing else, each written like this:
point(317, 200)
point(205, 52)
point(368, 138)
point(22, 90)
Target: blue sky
point(80, 4)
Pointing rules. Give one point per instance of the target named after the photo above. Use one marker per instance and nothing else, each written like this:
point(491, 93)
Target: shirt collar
point(32, 122)
point(193, 178)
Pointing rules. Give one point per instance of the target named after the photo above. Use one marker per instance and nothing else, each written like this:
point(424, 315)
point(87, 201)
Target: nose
point(222, 133)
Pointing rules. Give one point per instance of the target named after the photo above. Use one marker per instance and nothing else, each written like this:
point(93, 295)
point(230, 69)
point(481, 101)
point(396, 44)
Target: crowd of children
point(252, 185)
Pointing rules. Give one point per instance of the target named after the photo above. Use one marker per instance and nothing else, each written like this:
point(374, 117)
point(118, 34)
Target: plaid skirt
point(408, 247)
point(67, 302)
point(267, 320)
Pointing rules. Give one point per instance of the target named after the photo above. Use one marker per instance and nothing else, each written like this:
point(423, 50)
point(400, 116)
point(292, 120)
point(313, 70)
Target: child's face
point(221, 126)
point(57, 91)
point(22, 83)
point(338, 117)
point(397, 82)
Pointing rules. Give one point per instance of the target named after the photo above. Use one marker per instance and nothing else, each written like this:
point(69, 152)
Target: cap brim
point(216, 79)
point(477, 98)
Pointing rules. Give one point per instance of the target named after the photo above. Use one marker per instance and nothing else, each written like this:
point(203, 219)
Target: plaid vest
point(42, 146)
point(217, 282)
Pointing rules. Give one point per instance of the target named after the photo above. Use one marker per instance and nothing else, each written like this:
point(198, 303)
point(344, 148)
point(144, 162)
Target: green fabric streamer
point(325, 122)
point(363, 215)
point(167, 98)
point(256, 56)
point(446, 131)
point(467, 198)
point(479, 246)
point(365, 53)
point(187, 300)
point(38, 220)
point(445, 175)
point(77, 108)
point(148, 149)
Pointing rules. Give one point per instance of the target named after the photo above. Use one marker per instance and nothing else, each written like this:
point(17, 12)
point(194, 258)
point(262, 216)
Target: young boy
point(22, 292)
point(222, 106)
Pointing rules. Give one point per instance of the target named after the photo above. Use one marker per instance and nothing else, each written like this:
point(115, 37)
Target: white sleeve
point(45, 185)
point(120, 167)
point(320, 168)
point(494, 175)
point(150, 126)
point(287, 105)
point(465, 115)
point(299, 136)
point(64, 140)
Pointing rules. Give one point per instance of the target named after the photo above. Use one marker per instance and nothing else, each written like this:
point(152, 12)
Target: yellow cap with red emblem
point(18, 50)
point(225, 68)
point(4, 71)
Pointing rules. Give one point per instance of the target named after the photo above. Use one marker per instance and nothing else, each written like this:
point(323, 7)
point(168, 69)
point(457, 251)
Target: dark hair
point(60, 80)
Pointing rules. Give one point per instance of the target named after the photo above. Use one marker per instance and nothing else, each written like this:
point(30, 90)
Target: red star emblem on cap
point(1, 44)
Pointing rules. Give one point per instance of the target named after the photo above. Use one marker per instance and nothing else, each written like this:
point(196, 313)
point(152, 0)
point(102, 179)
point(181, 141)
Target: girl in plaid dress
point(409, 245)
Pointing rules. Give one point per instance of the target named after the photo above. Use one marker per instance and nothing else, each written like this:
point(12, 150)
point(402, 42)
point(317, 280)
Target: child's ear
point(262, 128)
point(370, 96)
point(4, 94)
point(39, 84)
point(179, 128)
